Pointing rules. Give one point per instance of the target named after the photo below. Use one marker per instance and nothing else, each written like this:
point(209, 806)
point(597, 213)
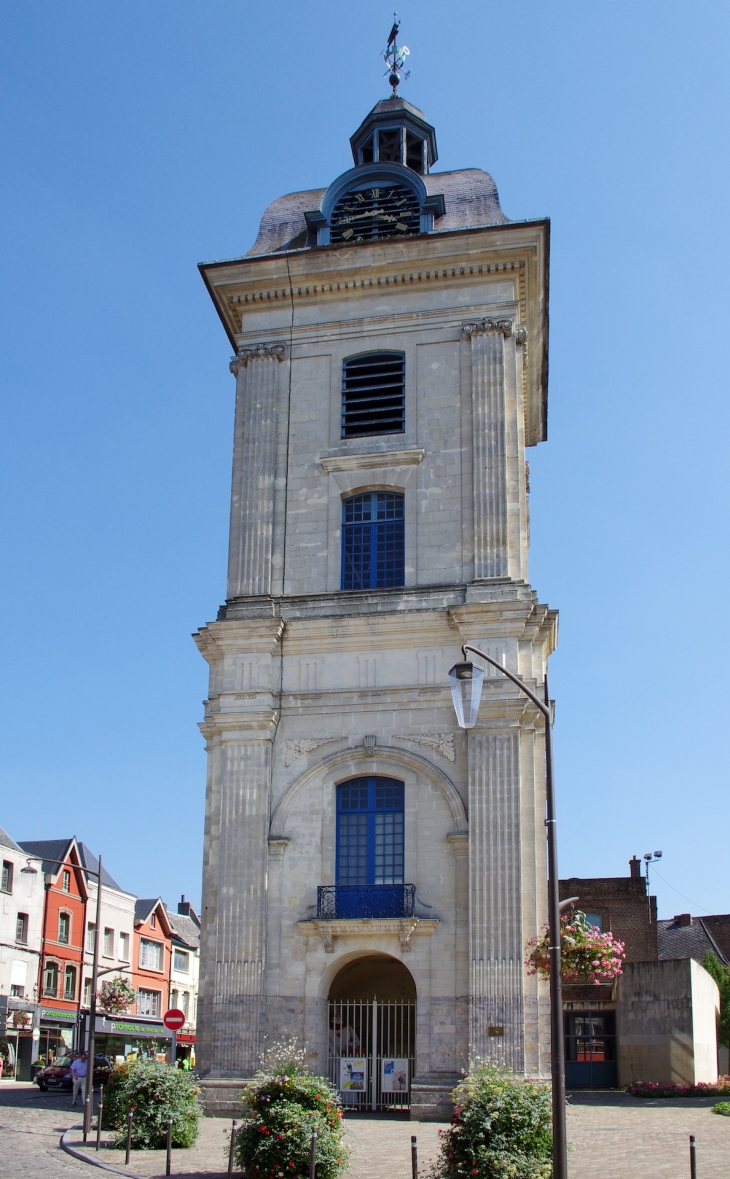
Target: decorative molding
point(521, 338)
point(403, 928)
point(296, 749)
point(505, 326)
point(278, 845)
point(371, 462)
point(369, 742)
point(443, 743)
point(256, 352)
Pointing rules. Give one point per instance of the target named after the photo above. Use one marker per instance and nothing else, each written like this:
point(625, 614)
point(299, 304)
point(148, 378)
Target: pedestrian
point(78, 1072)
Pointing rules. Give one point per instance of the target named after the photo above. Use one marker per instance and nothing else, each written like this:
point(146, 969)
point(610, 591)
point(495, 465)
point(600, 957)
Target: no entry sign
point(174, 1019)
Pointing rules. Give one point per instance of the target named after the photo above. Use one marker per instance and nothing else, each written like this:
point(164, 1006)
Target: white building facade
point(21, 919)
point(390, 338)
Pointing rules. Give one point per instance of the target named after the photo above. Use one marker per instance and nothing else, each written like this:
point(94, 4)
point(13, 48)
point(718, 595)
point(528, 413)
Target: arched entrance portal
point(372, 1033)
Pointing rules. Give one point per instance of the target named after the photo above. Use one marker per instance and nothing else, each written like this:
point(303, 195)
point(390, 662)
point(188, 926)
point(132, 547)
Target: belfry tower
point(372, 873)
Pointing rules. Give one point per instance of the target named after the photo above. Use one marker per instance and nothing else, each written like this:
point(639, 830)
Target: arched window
point(373, 394)
point(370, 831)
point(373, 541)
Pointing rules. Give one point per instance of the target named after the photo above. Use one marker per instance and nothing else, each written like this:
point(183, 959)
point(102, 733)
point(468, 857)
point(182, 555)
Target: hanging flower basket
point(586, 954)
point(116, 996)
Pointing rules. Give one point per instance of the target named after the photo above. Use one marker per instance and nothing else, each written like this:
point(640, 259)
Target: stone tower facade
point(372, 533)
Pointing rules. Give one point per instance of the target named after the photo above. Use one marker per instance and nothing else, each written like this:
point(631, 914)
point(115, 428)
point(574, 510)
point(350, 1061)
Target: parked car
point(58, 1075)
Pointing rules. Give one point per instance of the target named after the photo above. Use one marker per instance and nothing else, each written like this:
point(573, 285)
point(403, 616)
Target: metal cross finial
point(395, 57)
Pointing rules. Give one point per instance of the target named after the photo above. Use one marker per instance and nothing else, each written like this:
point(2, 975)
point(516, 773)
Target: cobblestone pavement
point(614, 1137)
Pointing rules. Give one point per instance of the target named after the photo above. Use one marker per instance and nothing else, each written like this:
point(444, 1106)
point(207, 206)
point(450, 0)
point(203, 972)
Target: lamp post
point(27, 870)
point(466, 689)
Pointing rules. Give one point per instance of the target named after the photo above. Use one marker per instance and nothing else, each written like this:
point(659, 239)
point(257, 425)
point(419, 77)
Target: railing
point(337, 901)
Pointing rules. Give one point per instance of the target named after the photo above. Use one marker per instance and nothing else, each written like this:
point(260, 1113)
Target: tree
point(721, 975)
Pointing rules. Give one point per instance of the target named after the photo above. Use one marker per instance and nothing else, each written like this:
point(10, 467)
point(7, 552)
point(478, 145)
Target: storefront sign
point(58, 1016)
point(185, 1038)
point(126, 1027)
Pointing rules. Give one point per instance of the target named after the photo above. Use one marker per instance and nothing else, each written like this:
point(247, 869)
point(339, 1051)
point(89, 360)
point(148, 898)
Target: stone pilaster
point(231, 1007)
point(498, 482)
point(254, 468)
point(495, 991)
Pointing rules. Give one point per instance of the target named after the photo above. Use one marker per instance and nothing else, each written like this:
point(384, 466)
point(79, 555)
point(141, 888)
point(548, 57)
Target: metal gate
point(372, 1052)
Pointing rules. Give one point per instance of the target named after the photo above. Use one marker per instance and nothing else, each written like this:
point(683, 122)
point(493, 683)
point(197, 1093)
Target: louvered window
point(373, 394)
point(373, 541)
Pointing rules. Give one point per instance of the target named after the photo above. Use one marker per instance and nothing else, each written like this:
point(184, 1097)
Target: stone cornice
point(263, 636)
point(403, 928)
point(371, 462)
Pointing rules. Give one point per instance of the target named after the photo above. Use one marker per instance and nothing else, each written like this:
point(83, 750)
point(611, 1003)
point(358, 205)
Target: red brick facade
point(625, 909)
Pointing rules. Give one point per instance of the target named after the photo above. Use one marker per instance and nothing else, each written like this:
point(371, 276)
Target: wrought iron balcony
point(338, 901)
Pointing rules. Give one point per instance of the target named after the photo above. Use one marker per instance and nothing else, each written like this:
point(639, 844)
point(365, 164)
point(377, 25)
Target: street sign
point(174, 1019)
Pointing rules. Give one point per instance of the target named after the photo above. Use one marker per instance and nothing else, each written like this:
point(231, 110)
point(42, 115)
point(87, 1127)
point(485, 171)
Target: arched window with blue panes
point(370, 851)
point(373, 541)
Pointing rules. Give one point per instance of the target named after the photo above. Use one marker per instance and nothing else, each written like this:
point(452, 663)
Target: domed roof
point(470, 197)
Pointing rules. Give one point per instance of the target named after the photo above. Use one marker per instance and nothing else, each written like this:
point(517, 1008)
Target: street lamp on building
point(649, 858)
point(466, 689)
point(29, 870)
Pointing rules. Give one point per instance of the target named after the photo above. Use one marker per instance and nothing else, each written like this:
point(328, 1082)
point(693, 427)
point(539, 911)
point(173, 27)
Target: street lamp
point(649, 858)
point(30, 870)
point(466, 689)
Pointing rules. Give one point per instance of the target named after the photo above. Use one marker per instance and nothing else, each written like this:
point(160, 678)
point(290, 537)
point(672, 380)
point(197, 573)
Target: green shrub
point(722, 1107)
point(281, 1113)
point(153, 1092)
point(501, 1129)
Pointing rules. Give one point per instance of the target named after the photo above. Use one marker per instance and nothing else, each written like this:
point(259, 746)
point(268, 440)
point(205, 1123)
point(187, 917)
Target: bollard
point(168, 1163)
point(692, 1157)
point(414, 1156)
point(130, 1115)
point(99, 1112)
point(313, 1157)
point(232, 1151)
point(88, 1105)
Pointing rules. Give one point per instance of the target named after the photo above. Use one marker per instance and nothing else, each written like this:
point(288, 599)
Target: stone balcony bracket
point(402, 928)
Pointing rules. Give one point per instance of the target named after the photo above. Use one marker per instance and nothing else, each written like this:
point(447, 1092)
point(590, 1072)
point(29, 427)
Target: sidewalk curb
point(87, 1158)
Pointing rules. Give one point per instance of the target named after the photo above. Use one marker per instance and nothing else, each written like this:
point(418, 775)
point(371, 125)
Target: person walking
point(78, 1072)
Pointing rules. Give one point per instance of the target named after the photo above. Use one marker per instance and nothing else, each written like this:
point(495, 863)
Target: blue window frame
point(370, 831)
point(373, 541)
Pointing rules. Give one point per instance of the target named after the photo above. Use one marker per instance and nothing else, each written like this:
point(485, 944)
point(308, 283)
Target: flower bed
point(652, 1089)
point(586, 954)
point(152, 1092)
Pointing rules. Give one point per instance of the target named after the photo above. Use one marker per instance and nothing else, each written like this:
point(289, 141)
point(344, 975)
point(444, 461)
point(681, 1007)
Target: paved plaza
point(613, 1137)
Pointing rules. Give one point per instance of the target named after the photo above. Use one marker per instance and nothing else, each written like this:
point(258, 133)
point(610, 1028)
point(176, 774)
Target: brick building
point(619, 904)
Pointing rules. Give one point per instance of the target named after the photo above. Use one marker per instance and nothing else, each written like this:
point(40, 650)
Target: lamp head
point(647, 856)
point(29, 870)
point(657, 855)
point(466, 691)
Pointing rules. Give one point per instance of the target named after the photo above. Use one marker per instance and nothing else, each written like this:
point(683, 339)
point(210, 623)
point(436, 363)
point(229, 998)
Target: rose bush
point(116, 995)
point(501, 1129)
point(586, 954)
point(284, 1104)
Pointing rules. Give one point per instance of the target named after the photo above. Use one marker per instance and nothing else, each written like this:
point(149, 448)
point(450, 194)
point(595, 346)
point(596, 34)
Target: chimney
point(635, 867)
point(183, 906)
point(683, 919)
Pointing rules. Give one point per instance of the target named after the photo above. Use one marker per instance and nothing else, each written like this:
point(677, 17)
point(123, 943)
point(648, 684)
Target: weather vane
point(395, 57)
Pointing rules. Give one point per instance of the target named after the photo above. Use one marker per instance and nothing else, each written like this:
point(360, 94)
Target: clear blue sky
point(141, 138)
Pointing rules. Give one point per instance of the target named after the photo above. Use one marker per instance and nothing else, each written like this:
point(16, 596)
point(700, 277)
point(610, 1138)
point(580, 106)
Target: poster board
point(353, 1074)
point(395, 1075)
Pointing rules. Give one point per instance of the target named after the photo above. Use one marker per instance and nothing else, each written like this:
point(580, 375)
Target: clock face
point(368, 214)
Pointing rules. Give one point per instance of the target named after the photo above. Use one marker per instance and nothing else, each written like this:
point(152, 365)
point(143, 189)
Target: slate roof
point(7, 841)
point(57, 849)
point(719, 926)
point(686, 941)
point(470, 196)
point(184, 929)
point(143, 907)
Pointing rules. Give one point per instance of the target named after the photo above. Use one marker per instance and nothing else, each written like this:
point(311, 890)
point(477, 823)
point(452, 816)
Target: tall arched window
point(370, 831)
point(373, 541)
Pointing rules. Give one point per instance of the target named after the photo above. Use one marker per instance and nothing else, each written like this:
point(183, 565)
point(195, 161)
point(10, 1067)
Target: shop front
point(132, 1038)
point(185, 1054)
point(17, 1038)
point(57, 1033)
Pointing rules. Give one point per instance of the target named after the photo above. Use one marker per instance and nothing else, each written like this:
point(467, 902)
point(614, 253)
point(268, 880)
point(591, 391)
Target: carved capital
point(505, 326)
point(256, 352)
point(521, 338)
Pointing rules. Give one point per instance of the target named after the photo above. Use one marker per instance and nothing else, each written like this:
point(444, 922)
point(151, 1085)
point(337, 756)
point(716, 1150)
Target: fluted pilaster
point(231, 1012)
point(496, 993)
point(254, 459)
